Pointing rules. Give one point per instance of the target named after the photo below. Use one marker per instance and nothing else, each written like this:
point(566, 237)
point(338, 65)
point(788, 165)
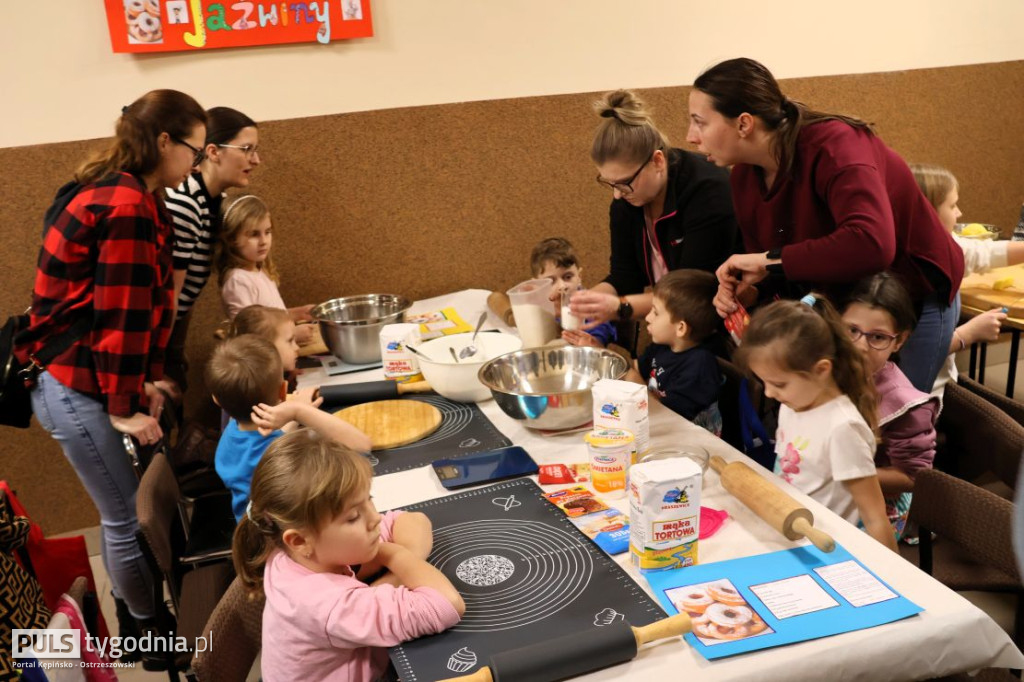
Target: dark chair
point(728, 401)
point(238, 622)
point(973, 547)
point(979, 438)
point(1013, 408)
point(195, 590)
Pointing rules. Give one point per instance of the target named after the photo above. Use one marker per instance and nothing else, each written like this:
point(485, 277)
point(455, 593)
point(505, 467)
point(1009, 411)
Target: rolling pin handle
point(717, 463)
point(481, 675)
point(818, 538)
point(673, 626)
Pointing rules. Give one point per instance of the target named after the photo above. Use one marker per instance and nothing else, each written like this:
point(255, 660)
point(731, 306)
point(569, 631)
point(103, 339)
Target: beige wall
point(66, 84)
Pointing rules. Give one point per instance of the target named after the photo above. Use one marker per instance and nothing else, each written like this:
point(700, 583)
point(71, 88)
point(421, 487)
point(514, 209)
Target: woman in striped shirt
point(232, 153)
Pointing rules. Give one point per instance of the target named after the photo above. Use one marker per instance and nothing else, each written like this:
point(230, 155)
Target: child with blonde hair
point(311, 538)
point(825, 442)
point(274, 325)
point(245, 376)
point(245, 268)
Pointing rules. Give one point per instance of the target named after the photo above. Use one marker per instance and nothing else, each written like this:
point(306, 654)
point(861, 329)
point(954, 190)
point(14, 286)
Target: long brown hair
point(884, 291)
point(240, 215)
point(626, 132)
point(134, 149)
point(302, 481)
point(799, 335)
point(738, 86)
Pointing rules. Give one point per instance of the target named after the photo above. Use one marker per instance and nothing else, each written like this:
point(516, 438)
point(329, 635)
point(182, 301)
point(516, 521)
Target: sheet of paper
point(855, 584)
point(793, 596)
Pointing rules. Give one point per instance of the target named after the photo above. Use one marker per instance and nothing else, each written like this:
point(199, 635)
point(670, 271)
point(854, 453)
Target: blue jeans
point(924, 353)
point(95, 450)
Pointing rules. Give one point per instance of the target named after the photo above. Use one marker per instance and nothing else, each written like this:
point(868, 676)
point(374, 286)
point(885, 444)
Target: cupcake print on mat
point(144, 26)
point(718, 611)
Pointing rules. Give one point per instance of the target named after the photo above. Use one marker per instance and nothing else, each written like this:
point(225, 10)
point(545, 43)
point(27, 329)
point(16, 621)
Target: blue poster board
point(769, 600)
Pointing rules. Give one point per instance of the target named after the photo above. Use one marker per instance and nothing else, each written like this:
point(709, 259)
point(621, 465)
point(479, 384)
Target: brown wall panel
point(424, 200)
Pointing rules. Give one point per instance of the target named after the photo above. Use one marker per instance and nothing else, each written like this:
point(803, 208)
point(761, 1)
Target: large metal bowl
point(549, 388)
point(351, 325)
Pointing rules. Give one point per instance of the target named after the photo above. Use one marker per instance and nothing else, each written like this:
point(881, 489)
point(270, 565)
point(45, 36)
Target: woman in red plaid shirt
point(106, 257)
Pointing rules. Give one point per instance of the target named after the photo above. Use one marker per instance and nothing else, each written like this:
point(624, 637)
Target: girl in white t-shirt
point(244, 267)
point(825, 443)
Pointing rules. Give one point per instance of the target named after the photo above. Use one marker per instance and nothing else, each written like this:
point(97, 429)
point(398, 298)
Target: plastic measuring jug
point(534, 313)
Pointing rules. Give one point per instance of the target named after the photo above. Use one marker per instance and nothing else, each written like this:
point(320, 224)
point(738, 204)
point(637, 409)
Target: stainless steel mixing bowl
point(549, 388)
point(351, 325)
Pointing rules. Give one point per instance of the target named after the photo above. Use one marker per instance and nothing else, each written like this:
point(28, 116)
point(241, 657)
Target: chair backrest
point(156, 504)
point(979, 436)
point(1013, 408)
point(976, 519)
point(728, 400)
point(238, 622)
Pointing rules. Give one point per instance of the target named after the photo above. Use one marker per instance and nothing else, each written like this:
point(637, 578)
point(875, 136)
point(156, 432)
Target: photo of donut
point(718, 611)
point(143, 19)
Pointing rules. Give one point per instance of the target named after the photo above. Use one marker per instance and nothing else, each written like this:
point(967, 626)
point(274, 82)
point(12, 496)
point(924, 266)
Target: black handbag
point(17, 379)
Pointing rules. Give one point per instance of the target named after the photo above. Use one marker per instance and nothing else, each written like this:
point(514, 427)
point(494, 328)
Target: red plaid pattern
point(108, 254)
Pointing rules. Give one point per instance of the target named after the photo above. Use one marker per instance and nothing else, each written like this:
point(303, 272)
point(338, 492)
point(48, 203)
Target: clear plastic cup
point(569, 321)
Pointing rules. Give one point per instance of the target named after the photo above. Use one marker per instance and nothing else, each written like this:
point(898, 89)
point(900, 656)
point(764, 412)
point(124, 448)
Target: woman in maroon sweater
point(822, 202)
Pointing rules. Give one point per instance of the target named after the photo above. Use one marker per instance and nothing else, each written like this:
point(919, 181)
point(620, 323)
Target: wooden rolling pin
point(499, 303)
point(369, 391)
point(775, 507)
point(575, 654)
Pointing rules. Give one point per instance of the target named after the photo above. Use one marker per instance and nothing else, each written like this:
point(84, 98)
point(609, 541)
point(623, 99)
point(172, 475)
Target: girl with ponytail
point(822, 202)
point(825, 442)
point(670, 210)
point(311, 538)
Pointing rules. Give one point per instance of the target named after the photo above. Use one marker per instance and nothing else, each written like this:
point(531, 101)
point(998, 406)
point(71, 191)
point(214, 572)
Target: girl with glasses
point(105, 263)
point(822, 202)
point(670, 210)
point(880, 316)
point(230, 154)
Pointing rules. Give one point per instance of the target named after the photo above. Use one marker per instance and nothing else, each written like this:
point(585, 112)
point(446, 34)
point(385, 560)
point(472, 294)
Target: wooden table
point(950, 635)
point(978, 296)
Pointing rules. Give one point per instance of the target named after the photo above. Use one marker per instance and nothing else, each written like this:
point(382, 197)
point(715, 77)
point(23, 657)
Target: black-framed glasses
point(876, 340)
point(248, 149)
point(626, 186)
point(200, 154)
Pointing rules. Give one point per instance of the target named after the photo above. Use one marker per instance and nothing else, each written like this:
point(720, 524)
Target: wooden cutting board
point(392, 423)
point(977, 292)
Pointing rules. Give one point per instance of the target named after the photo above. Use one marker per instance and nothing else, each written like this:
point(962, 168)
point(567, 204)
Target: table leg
point(982, 359)
point(973, 368)
point(1011, 375)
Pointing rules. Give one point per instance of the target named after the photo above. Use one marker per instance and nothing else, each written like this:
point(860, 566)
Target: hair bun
point(608, 113)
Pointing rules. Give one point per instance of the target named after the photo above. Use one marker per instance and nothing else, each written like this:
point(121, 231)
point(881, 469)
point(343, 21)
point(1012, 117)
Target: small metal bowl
point(351, 325)
point(549, 388)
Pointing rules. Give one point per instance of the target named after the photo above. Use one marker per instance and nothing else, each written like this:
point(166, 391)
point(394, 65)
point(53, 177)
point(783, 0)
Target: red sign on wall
point(177, 25)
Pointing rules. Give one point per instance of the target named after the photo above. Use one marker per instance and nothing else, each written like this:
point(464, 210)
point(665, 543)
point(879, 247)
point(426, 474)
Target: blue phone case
point(484, 467)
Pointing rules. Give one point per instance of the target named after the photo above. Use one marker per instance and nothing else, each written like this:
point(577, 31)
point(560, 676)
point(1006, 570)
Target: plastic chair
point(973, 549)
point(238, 622)
point(979, 437)
point(194, 592)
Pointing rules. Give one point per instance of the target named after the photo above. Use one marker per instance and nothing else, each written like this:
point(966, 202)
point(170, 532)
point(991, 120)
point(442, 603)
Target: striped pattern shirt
point(107, 254)
point(196, 218)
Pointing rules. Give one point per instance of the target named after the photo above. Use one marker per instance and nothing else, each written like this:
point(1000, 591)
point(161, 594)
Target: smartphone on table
point(484, 467)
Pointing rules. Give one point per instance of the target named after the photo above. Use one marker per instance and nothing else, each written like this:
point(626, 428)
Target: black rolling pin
point(367, 392)
point(575, 654)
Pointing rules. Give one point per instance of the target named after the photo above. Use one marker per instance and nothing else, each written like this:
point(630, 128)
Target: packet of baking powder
point(606, 526)
point(555, 474)
point(736, 323)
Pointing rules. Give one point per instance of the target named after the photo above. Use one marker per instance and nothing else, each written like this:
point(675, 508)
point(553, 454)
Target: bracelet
point(956, 335)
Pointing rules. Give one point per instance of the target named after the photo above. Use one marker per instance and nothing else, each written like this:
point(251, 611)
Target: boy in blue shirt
point(246, 378)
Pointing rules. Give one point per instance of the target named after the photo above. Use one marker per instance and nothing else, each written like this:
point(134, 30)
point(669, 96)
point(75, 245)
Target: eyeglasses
point(249, 150)
point(200, 154)
point(876, 340)
point(626, 186)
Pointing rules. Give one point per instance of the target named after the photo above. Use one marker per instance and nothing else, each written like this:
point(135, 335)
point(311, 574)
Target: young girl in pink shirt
point(342, 581)
point(880, 316)
point(245, 270)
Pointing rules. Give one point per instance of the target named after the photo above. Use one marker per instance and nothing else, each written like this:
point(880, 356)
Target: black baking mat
point(526, 573)
point(464, 430)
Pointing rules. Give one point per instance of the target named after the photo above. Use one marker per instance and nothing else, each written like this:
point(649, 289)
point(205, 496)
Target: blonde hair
point(935, 182)
point(239, 216)
point(302, 482)
point(798, 335)
point(259, 320)
point(626, 132)
point(242, 372)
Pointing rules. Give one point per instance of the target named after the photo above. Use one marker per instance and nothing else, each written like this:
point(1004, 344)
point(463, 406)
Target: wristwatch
point(774, 268)
point(625, 309)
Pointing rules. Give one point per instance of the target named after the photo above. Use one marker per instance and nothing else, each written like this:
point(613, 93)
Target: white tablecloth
point(950, 635)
